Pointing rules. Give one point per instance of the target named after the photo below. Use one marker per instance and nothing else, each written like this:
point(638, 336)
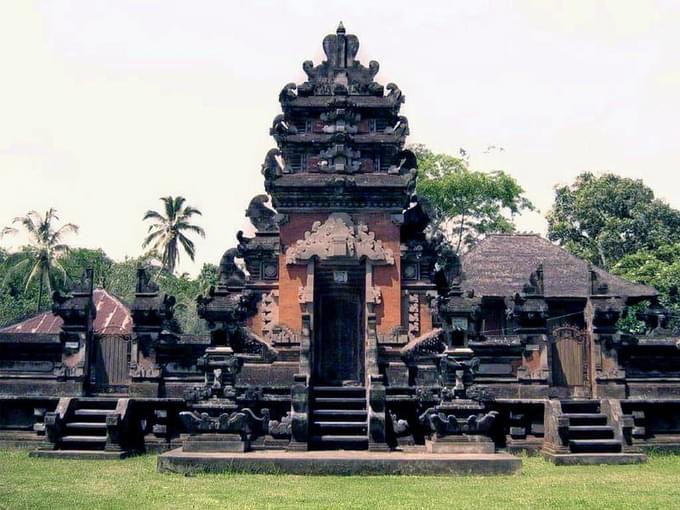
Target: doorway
point(111, 365)
point(339, 325)
point(570, 362)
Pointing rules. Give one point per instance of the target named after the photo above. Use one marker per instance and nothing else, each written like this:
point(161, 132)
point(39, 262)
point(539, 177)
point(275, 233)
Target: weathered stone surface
point(341, 463)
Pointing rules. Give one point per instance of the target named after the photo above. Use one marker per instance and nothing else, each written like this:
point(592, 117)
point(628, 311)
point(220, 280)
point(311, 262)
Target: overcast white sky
point(107, 105)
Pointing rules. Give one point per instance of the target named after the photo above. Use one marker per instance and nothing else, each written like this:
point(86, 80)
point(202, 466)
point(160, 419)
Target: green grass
point(134, 483)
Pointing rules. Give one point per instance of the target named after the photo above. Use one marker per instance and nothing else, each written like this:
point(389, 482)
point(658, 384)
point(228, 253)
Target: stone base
point(80, 454)
point(571, 459)
point(216, 443)
point(269, 443)
point(339, 463)
point(461, 444)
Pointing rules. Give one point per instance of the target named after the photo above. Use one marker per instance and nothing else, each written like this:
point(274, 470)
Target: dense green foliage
point(34, 484)
point(659, 268)
point(40, 260)
point(603, 218)
point(466, 204)
point(168, 232)
point(119, 278)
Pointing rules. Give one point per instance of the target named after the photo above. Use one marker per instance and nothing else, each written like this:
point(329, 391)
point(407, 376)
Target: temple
point(343, 328)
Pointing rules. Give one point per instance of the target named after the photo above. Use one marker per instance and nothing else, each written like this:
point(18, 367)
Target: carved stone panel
point(339, 237)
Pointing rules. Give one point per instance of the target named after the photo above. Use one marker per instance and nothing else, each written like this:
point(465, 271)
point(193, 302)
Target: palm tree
point(43, 252)
point(167, 233)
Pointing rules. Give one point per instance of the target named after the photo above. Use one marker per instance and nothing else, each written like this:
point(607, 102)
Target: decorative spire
point(340, 29)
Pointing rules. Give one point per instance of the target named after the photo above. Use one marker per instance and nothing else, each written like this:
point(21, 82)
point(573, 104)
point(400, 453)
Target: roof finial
point(340, 29)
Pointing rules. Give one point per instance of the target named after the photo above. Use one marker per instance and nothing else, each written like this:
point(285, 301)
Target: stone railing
point(55, 421)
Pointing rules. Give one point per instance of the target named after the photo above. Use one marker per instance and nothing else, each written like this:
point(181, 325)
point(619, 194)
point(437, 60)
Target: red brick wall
point(292, 277)
point(425, 315)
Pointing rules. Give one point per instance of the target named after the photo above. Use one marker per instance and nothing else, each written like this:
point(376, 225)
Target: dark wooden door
point(111, 372)
point(570, 360)
point(339, 341)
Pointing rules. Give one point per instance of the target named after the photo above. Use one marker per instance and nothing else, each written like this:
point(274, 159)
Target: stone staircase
point(85, 428)
point(589, 430)
point(339, 418)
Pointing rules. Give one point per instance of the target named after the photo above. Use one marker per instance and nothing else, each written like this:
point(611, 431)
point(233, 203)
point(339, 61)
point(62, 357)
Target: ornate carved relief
point(339, 237)
point(413, 315)
point(269, 310)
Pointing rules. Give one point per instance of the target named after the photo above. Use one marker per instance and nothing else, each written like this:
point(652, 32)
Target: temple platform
point(79, 454)
point(574, 459)
point(339, 463)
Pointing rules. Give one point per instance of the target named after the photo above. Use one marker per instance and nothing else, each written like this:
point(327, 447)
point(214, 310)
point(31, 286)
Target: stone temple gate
point(344, 332)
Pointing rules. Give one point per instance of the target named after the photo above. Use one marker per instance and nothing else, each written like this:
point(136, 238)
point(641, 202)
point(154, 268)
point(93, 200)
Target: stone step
point(571, 459)
point(97, 403)
point(341, 401)
point(338, 389)
point(340, 415)
point(93, 425)
point(80, 454)
point(339, 442)
point(341, 427)
point(591, 432)
point(576, 419)
point(98, 413)
point(83, 439)
point(580, 406)
point(594, 445)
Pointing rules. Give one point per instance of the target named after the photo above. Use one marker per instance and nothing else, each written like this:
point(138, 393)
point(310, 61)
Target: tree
point(466, 204)
point(660, 269)
point(43, 253)
point(603, 218)
point(167, 233)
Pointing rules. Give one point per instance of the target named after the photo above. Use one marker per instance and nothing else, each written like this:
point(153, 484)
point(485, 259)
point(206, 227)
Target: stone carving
point(243, 422)
point(268, 310)
point(339, 237)
point(283, 335)
point(400, 427)
point(273, 165)
point(281, 429)
point(230, 274)
point(434, 421)
point(288, 92)
point(413, 315)
point(340, 159)
point(280, 127)
point(373, 295)
point(340, 73)
point(249, 343)
point(430, 344)
point(535, 285)
point(404, 162)
point(262, 217)
point(400, 129)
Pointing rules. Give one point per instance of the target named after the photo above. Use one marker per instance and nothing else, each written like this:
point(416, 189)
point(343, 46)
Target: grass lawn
point(134, 483)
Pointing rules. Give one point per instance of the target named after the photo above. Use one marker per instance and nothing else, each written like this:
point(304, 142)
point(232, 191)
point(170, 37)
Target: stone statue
point(261, 216)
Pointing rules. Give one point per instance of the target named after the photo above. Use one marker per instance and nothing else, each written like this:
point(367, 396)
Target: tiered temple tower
point(329, 261)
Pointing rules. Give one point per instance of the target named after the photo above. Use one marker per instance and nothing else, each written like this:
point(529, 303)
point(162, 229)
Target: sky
point(107, 106)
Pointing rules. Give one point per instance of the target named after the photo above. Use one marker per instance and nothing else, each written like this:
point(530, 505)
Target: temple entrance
point(110, 374)
point(570, 362)
point(338, 325)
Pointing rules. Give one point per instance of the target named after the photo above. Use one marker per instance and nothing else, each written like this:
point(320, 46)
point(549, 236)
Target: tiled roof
point(501, 264)
point(113, 318)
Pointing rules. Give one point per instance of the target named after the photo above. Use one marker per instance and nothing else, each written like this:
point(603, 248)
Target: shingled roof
point(113, 318)
point(500, 265)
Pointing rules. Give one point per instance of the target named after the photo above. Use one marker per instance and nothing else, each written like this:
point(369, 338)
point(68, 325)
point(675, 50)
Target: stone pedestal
point(461, 444)
point(216, 443)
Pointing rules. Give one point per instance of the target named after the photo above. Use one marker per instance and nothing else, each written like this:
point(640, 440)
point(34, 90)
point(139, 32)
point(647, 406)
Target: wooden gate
point(111, 370)
point(570, 359)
